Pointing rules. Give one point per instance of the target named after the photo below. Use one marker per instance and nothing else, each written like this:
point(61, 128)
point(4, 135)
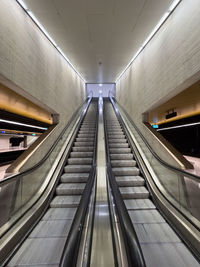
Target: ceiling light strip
point(179, 126)
point(23, 124)
point(155, 30)
point(33, 17)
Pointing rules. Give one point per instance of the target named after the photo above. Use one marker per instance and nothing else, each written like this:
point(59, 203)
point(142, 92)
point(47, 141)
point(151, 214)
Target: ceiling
point(99, 36)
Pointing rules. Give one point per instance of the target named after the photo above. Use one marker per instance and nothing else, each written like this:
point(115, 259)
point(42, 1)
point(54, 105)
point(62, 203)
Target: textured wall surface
point(32, 63)
point(168, 64)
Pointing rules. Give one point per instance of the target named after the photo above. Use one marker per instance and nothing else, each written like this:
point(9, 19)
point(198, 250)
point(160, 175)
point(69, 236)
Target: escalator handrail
point(71, 248)
point(133, 250)
point(37, 165)
point(167, 165)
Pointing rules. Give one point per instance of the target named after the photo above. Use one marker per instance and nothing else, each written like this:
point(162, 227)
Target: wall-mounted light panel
point(23, 124)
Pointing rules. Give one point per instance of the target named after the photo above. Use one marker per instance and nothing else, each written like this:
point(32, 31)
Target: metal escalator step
point(113, 127)
point(114, 130)
point(139, 204)
point(116, 136)
point(83, 144)
point(146, 216)
point(52, 228)
point(110, 133)
point(74, 177)
point(88, 127)
point(83, 149)
point(89, 139)
point(156, 233)
point(86, 132)
point(119, 150)
point(65, 202)
point(83, 135)
point(134, 192)
point(126, 171)
point(39, 252)
point(70, 189)
point(81, 154)
point(80, 161)
point(77, 168)
point(117, 140)
point(61, 213)
point(130, 180)
point(117, 145)
point(123, 163)
point(121, 156)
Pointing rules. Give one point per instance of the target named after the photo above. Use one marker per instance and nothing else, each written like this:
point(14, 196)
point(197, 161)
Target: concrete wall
point(169, 64)
point(31, 65)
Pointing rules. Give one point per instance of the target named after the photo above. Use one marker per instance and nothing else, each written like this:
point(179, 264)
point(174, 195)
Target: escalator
point(148, 238)
point(45, 244)
point(159, 243)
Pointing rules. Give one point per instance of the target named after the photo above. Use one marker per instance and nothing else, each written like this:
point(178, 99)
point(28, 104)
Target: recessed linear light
point(157, 27)
point(179, 126)
point(30, 13)
point(23, 124)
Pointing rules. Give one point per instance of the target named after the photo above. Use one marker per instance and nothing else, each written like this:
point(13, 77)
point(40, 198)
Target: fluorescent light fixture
point(23, 124)
point(156, 28)
point(100, 84)
point(30, 13)
point(173, 5)
point(100, 91)
point(179, 126)
point(21, 2)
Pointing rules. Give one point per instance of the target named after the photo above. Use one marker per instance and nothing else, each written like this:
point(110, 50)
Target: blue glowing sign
point(155, 126)
point(3, 131)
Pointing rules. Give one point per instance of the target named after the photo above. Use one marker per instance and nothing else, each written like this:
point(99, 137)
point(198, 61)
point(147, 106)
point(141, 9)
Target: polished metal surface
point(102, 247)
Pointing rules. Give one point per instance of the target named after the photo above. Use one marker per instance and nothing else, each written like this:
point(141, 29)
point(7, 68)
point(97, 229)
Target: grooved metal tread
point(81, 154)
point(117, 140)
point(123, 163)
point(118, 171)
point(134, 192)
point(139, 204)
point(119, 150)
point(71, 201)
point(130, 180)
point(121, 156)
point(83, 149)
point(70, 188)
point(78, 168)
point(84, 144)
point(80, 161)
point(118, 145)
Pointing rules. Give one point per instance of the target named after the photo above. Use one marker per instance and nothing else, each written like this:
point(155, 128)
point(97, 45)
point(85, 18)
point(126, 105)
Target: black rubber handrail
point(167, 165)
point(71, 249)
point(37, 165)
point(133, 250)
